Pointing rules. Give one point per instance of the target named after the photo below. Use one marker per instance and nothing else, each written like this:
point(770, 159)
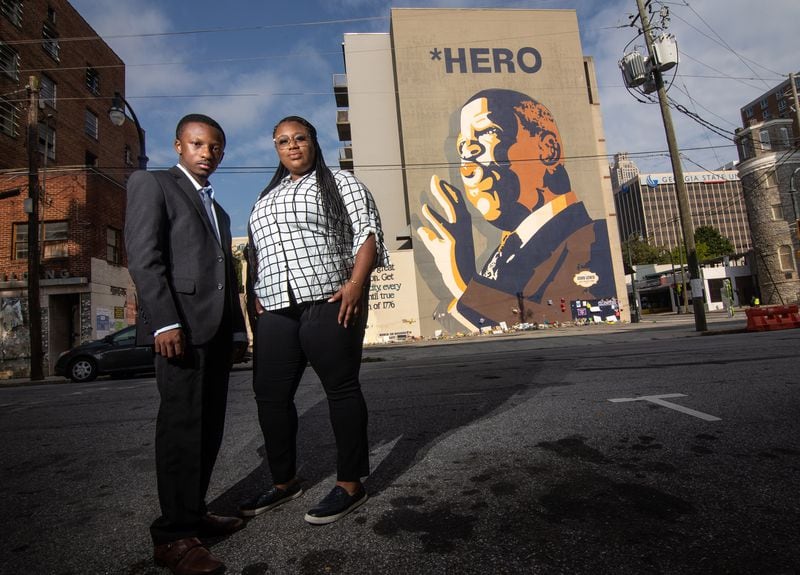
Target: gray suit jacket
point(182, 274)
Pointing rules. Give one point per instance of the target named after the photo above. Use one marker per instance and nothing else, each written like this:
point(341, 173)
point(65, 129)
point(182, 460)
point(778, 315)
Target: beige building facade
point(479, 133)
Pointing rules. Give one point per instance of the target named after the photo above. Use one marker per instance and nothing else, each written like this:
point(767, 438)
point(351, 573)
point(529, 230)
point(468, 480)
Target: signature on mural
point(513, 174)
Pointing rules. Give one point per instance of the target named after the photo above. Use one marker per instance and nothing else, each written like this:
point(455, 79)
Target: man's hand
point(170, 343)
point(350, 295)
point(449, 238)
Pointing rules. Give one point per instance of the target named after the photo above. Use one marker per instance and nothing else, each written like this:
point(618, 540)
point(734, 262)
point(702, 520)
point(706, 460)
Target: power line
point(199, 31)
point(722, 41)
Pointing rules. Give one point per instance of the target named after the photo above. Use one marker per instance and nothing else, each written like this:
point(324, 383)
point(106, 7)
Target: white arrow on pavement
point(659, 400)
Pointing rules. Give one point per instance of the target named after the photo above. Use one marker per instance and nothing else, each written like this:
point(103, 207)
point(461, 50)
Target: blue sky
point(248, 63)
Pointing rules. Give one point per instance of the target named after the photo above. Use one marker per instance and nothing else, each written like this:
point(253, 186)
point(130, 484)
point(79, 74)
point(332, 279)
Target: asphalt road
point(626, 449)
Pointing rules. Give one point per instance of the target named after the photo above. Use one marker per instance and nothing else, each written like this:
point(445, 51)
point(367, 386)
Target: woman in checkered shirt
point(315, 237)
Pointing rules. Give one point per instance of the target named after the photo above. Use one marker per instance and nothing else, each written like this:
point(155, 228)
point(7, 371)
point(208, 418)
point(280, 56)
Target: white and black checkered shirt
point(295, 243)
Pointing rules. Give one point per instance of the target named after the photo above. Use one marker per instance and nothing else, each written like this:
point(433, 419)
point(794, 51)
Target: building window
point(128, 157)
point(8, 117)
point(777, 212)
point(51, 15)
point(9, 61)
point(783, 137)
point(54, 240)
point(47, 141)
point(90, 159)
point(93, 80)
point(91, 124)
point(113, 245)
point(748, 111)
point(19, 247)
point(781, 104)
point(47, 92)
point(12, 10)
point(747, 148)
point(52, 237)
point(766, 114)
point(771, 179)
point(764, 103)
point(763, 135)
point(785, 258)
point(50, 39)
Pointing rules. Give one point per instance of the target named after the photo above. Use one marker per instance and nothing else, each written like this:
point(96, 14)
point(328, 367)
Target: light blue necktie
point(208, 201)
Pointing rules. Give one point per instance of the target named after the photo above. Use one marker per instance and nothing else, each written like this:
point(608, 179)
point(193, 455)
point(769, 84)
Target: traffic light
point(563, 305)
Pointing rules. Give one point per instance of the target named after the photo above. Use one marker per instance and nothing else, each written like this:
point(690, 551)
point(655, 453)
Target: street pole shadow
point(408, 420)
point(430, 409)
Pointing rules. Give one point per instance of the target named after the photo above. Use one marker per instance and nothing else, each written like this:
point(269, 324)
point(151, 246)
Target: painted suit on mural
point(513, 173)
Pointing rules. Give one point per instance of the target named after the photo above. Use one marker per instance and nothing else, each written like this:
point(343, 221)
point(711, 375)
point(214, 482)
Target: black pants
point(191, 419)
point(286, 340)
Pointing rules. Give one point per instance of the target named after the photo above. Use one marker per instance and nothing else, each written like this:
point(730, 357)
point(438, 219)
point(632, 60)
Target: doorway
point(64, 325)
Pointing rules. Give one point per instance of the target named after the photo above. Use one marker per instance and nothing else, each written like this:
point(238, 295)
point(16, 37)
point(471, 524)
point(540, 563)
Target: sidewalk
point(718, 322)
point(681, 325)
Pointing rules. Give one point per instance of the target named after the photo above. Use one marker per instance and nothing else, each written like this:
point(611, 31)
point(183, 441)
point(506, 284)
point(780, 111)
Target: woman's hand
point(350, 296)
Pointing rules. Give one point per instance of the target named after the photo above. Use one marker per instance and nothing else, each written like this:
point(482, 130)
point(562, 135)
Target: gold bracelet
point(354, 282)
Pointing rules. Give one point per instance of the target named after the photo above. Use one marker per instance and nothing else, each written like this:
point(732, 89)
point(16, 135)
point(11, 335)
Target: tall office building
point(647, 207)
point(623, 170)
point(479, 132)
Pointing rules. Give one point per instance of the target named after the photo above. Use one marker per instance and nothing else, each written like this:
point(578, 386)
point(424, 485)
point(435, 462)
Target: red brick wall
point(89, 199)
point(73, 95)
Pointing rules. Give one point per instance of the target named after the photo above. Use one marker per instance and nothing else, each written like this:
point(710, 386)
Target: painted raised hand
point(449, 237)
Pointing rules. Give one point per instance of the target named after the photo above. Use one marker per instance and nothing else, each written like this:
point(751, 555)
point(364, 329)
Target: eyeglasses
point(284, 142)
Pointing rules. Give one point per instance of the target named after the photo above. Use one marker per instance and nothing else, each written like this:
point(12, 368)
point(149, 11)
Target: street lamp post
point(117, 116)
point(635, 302)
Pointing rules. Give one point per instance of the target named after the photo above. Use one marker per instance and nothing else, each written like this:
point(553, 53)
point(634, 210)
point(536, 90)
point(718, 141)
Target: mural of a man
point(513, 172)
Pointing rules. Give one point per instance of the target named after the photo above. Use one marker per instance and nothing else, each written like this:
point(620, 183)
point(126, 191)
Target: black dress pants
point(286, 341)
point(189, 427)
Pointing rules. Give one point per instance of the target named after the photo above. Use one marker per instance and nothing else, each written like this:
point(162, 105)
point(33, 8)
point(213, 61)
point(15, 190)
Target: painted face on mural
point(505, 164)
point(477, 145)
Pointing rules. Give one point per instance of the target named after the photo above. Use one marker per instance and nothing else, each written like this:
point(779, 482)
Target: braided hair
point(339, 226)
point(332, 203)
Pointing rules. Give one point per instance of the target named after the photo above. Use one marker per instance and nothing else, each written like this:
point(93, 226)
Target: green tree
point(637, 251)
point(711, 244)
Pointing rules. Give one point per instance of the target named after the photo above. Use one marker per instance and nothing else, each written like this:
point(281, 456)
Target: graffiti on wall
point(514, 176)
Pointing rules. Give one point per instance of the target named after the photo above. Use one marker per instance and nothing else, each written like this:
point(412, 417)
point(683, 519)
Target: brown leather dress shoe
point(219, 525)
point(187, 557)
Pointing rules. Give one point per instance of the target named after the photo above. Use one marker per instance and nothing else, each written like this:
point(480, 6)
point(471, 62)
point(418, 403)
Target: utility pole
point(680, 185)
point(796, 102)
point(32, 208)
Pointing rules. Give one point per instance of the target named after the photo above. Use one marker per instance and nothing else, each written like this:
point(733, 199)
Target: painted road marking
point(659, 400)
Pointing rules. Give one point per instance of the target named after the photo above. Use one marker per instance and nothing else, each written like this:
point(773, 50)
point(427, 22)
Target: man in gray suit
point(178, 242)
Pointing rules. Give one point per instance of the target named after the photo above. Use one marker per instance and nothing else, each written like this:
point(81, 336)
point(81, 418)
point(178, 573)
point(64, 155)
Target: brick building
point(84, 160)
